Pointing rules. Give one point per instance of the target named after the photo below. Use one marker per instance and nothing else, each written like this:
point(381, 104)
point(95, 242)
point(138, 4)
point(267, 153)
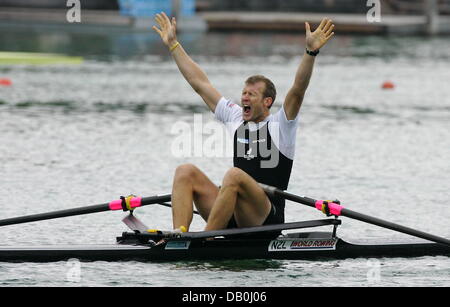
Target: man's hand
point(190, 70)
point(315, 40)
point(168, 29)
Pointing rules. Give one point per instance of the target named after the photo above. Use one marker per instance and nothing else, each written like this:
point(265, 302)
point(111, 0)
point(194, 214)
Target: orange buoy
point(5, 82)
point(388, 85)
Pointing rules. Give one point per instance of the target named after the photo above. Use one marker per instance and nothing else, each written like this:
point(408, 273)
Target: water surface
point(86, 134)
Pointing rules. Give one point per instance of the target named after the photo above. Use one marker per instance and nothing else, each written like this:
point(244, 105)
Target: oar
point(336, 209)
point(125, 204)
point(170, 206)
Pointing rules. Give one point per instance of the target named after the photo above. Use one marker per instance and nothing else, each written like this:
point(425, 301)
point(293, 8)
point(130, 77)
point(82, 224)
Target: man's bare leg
point(241, 196)
point(191, 185)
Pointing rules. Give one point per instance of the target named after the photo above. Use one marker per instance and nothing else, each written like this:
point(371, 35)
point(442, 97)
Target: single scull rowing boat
point(261, 242)
point(299, 245)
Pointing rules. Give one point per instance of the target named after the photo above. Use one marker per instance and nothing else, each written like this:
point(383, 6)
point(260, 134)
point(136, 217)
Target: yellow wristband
point(174, 46)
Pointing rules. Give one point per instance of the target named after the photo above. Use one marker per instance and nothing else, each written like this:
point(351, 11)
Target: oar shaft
point(393, 226)
point(295, 198)
point(170, 206)
point(54, 214)
point(338, 210)
point(133, 203)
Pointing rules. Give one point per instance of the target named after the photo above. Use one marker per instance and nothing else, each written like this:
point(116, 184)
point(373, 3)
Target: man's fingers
point(159, 19)
point(165, 18)
point(308, 28)
point(330, 29)
point(322, 24)
point(327, 25)
point(329, 37)
point(157, 30)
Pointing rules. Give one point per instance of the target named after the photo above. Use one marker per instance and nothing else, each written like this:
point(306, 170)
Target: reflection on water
point(231, 265)
point(335, 112)
point(67, 107)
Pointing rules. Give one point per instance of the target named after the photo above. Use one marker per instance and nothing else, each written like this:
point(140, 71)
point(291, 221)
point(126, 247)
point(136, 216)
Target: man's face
point(254, 105)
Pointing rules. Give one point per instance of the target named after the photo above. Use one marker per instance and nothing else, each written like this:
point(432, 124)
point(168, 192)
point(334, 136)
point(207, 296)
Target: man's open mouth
point(246, 109)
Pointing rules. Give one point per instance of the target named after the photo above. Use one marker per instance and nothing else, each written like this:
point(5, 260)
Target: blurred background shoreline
point(401, 17)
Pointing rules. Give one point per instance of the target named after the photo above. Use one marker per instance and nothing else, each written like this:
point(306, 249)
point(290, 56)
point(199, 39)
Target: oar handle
point(133, 202)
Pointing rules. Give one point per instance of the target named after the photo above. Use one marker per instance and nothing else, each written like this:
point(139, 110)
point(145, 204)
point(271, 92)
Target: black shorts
point(276, 216)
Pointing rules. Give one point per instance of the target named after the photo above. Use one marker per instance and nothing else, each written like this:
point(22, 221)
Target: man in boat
point(264, 143)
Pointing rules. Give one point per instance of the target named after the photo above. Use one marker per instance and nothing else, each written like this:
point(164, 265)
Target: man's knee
point(233, 177)
point(186, 171)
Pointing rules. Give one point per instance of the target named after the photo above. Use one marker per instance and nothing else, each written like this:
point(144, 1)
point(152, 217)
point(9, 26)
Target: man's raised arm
point(193, 74)
point(314, 41)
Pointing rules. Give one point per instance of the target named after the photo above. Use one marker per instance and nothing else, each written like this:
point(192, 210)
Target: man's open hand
point(167, 29)
point(315, 40)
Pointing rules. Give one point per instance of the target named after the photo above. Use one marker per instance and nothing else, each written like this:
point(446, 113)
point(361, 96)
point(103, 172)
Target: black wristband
point(312, 53)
